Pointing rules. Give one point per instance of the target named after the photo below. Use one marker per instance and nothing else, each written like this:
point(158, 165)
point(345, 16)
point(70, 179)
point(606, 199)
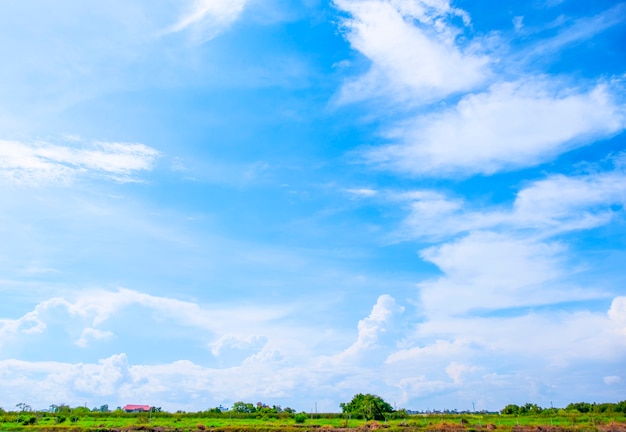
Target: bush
point(30, 421)
point(300, 418)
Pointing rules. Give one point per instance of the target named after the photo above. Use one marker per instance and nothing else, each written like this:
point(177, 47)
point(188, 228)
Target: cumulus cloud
point(91, 310)
point(45, 163)
point(617, 314)
point(373, 327)
point(206, 19)
point(511, 126)
point(412, 48)
point(92, 334)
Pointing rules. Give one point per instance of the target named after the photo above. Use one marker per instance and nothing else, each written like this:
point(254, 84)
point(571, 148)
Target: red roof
point(137, 408)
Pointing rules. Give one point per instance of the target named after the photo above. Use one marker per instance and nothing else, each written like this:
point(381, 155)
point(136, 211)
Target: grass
point(164, 422)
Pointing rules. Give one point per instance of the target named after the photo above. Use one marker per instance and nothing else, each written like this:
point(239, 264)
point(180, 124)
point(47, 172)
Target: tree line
point(361, 406)
point(577, 407)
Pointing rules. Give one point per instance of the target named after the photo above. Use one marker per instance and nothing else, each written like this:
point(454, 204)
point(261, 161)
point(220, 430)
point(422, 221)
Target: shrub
point(300, 418)
point(30, 421)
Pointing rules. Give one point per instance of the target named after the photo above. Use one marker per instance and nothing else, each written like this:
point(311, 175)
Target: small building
point(136, 408)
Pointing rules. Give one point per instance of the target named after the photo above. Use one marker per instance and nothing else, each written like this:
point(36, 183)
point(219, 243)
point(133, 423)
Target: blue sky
point(295, 201)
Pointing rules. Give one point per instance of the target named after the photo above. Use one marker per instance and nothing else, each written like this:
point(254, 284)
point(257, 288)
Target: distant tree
point(62, 409)
point(23, 406)
point(104, 408)
point(289, 410)
point(370, 406)
point(80, 411)
point(216, 410)
point(243, 407)
point(581, 407)
point(530, 408)
point(510, 409)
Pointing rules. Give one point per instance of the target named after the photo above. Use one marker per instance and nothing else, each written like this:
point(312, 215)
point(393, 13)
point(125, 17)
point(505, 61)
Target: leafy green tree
point(510, 409)
point(215, 410)
point(581, 407)
point(81, 411)
point(370, 406)
point(243, 407)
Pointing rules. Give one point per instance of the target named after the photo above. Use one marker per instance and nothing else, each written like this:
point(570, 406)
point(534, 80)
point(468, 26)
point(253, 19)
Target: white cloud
point(573, 32)
point(487, 271)
point(612, 379)
point(546, 207)
point(412, 49)
point(91, 310)
point(238, 342)
point(92, 334)
point(513, 125)
point(362, 192)
point(456, 371)
point(206, 19)
point(44, 163)
point(617, 314)
point(372, 328)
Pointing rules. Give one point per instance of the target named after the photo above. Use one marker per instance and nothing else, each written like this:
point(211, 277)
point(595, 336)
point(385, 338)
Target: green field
point(285, 422)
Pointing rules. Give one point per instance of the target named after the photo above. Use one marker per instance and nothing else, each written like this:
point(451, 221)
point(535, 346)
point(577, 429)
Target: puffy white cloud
point(374, 326)
point(512, 125)
point(92, 333)
point(412, 48)
point(44, 163)
point(617, 314)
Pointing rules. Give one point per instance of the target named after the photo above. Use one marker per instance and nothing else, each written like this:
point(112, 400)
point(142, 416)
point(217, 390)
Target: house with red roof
point(136, 408)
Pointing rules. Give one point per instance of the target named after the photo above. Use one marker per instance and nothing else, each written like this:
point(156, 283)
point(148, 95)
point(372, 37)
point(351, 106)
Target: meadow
point(555, 420)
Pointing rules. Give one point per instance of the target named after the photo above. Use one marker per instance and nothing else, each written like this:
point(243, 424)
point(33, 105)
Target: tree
point(370, 406)
point(510, 409)
point(243, 407)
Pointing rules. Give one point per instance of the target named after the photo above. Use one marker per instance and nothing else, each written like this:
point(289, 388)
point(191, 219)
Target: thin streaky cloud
point(554, 205)
point(206, 19)
point(579, 30)
point(44, 163)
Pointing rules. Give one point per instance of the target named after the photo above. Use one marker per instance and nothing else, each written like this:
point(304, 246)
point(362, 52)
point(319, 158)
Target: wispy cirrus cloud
point(573, 31)
point(206, 19)
point(546, 207)
point(44, 163)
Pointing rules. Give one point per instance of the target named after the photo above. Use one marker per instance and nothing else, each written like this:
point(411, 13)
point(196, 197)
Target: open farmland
point(286, 422)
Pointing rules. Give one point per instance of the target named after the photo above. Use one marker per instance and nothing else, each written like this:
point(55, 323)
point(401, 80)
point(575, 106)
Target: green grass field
point(162, 422)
